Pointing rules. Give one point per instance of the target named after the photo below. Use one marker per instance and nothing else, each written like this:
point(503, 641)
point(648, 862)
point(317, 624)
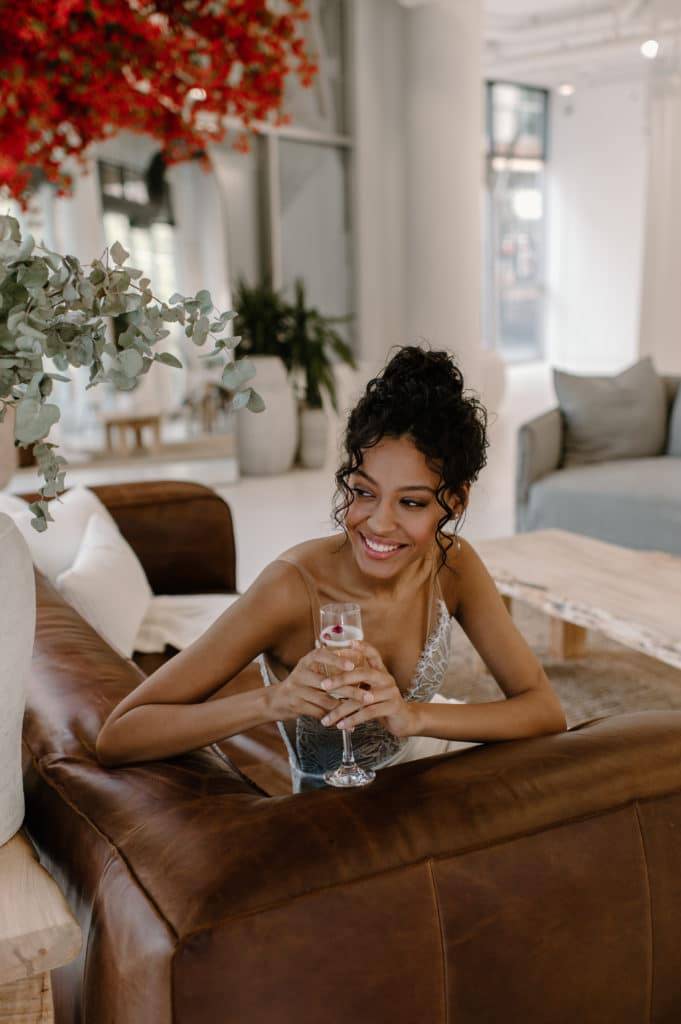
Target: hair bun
point(413, 367)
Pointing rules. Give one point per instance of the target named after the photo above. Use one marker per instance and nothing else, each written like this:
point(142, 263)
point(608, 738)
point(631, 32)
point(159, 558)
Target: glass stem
point(348, 753)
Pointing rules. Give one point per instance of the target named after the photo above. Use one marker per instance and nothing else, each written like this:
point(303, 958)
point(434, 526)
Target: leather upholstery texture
point(534, 881)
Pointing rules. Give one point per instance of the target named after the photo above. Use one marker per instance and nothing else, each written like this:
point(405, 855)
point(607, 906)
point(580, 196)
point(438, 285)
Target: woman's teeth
point(381, 549)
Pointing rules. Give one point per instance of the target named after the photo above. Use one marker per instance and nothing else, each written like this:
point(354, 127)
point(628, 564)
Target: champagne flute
point(340, 625)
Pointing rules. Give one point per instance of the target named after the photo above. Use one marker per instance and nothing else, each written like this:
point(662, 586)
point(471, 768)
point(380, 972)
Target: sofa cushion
point(55, 550)
point(674, 440)
point(632, 502)
point(107, 585)
point(616, 417)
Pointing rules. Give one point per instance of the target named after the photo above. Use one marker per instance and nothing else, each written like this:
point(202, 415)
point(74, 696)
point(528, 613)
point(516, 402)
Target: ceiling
point(546, 42)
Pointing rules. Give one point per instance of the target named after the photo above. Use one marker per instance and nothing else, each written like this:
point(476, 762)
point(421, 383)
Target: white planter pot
point(8, 453)
point(314, 433)
point(267, 441)
point(17, 630)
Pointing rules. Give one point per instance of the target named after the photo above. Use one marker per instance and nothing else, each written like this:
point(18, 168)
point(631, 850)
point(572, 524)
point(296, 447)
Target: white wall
point(596, 215)
point(379, 175)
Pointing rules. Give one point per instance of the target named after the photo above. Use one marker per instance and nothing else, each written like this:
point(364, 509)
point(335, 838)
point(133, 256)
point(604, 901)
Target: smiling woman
point(414, 445)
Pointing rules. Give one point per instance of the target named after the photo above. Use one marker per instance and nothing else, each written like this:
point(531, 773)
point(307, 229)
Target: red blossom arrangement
point(73, 72)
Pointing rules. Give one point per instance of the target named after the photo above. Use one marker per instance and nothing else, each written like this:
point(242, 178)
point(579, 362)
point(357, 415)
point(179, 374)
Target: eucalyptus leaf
point(255, 402)
point(168, 359)
point(118, 254)
point(241, 399)
point(34, 420)
point(131, 362)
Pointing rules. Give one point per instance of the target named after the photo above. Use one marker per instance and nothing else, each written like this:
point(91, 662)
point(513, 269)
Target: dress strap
point(310, 586)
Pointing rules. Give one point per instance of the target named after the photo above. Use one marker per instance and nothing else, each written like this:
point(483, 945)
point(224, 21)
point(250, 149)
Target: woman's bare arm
point(531, 708)
point(172, 712)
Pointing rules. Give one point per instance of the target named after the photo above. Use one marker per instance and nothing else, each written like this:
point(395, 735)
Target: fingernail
point(348, 665)
point(327, 685)
point(341, 724)
point(325, 720)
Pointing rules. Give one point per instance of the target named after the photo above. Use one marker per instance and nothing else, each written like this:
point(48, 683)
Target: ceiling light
point(650, 49)
point(566, 89)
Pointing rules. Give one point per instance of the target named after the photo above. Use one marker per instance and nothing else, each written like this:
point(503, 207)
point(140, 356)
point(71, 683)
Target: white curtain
point(660, 326)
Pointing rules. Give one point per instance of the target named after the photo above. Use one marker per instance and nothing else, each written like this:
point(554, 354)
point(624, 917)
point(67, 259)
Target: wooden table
point(38, 932)
point(633, 597)
point(122, 424)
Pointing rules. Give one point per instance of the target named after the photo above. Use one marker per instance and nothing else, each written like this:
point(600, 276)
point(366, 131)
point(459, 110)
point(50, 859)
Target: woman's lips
point(379, 555)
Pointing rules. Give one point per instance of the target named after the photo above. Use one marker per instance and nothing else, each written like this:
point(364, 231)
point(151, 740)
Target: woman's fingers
point(341, 710)
point(323, 662)
point(345, 718)
point(369, 652)
point(355, 693)
point(371, 676)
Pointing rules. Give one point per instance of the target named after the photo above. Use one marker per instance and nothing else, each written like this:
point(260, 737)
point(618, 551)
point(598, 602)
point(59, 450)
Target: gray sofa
point(632, 502)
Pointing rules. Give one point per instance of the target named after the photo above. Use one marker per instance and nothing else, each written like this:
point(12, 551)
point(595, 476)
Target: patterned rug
point(609, 679)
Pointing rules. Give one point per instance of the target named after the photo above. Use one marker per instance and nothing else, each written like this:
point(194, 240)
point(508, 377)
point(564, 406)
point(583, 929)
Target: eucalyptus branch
point(51, 308)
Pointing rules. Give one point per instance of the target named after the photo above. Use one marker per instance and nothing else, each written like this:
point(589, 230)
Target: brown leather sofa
point(534, 881)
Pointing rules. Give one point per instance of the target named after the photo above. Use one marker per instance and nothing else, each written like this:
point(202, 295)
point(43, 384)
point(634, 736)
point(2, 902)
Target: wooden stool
point(124, 423)
point(38, 932)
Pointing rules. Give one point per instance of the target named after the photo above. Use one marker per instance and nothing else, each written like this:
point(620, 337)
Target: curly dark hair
point(420, 395)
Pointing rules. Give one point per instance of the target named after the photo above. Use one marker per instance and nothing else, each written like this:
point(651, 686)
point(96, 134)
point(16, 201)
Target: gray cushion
point(674, 442)
point(619, 417)
point(632, 502)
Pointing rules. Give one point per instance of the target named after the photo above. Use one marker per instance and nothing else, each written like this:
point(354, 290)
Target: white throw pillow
point(179, 620)
point(107, 584)
point(12, 506)
point(56, 548)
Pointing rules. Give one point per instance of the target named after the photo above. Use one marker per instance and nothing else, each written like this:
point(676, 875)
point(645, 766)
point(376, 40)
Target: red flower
point(72, 72)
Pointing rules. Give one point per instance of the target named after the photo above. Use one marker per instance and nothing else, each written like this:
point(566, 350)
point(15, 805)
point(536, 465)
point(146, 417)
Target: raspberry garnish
point(336, 629)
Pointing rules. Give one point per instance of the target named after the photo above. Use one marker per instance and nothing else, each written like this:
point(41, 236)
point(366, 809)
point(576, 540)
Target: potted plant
point(266, 444)
point(313, 342)
point(53, 316)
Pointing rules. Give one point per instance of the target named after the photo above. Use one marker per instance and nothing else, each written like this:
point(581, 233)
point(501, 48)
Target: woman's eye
point(410, 503)
point(360, 493)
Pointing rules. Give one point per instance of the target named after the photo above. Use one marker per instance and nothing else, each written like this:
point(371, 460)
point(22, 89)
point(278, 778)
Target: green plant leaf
point(255, 402)
point(118, 254)
point(241, 399)
point(235, 375)
point(168, 359)
point(34, 420)
point(131, 362)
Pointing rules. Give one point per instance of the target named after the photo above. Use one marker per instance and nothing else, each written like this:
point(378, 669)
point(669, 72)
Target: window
point(287, 200)
point(514, 228)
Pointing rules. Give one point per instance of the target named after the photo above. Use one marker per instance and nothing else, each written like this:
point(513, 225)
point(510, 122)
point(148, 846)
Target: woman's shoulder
point(459, 572)
point(313, 556)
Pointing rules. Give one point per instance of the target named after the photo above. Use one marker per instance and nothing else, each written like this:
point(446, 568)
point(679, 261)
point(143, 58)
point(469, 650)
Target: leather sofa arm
point(181, 532)
point(540, 448)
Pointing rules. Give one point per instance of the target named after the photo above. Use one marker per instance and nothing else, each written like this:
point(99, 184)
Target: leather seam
point(443, 951)
point(114, 849)
point(650, 909)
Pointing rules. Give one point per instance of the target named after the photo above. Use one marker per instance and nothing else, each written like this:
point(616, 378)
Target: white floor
point(272, 513)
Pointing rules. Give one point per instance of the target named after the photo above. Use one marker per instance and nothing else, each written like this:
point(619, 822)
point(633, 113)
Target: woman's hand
point(381, 693)
point(301, 693)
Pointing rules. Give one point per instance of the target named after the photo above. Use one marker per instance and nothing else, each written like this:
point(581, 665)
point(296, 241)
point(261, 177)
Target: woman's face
point(393, 518)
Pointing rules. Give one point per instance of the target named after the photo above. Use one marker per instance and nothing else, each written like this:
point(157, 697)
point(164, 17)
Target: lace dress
point(313, 749)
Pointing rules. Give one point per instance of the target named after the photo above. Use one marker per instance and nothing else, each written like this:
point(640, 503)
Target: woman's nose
point(382, 520)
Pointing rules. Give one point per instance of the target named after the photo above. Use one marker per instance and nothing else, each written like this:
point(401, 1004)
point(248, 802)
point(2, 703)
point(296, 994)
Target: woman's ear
point(458, 502)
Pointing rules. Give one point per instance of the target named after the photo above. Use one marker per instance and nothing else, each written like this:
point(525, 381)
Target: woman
point(414, 444)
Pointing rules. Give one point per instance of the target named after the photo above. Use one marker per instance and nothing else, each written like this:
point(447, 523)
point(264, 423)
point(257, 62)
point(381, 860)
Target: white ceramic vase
point(267, 441)
point(17, 630)
point(8, 453)
point(314, 434)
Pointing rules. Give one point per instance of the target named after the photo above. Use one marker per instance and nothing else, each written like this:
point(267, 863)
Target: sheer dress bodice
point(313, 749)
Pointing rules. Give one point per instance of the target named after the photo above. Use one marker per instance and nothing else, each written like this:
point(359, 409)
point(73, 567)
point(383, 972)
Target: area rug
point(607, 680)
